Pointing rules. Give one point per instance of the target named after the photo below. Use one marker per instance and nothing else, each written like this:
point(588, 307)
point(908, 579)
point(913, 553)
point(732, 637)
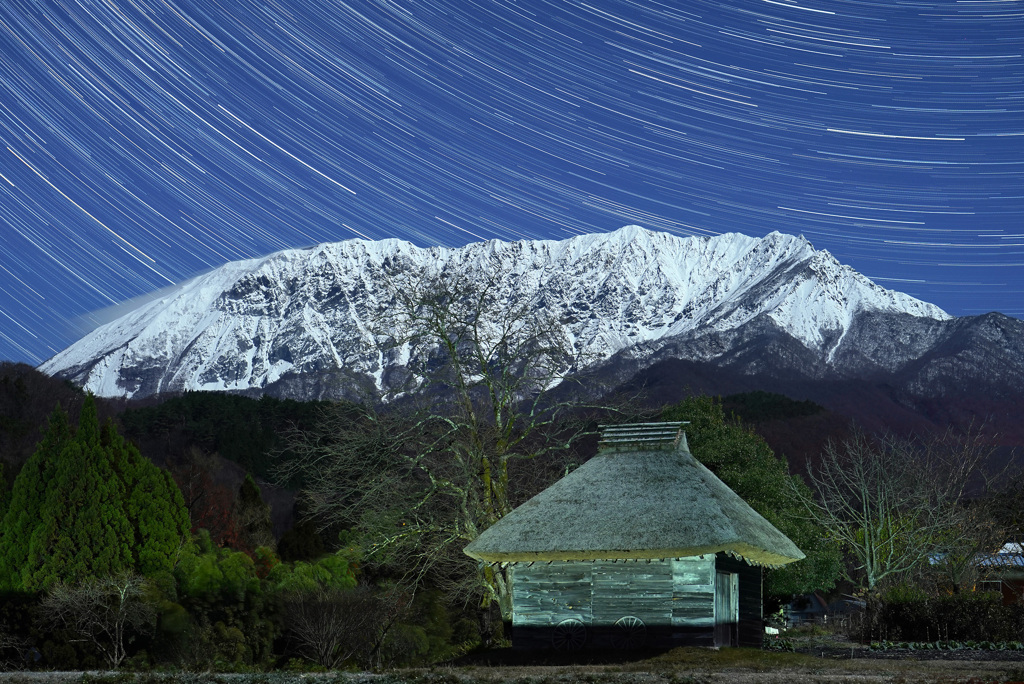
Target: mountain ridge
point(302, 320)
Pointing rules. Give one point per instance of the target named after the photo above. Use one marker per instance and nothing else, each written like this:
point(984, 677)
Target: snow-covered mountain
point(301, 322)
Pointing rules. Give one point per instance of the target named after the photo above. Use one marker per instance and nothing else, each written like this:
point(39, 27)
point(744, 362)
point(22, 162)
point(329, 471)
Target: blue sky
point(146, 141)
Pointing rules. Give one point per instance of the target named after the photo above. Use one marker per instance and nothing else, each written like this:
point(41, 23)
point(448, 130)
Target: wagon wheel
point(569, 635)
point(630, 633)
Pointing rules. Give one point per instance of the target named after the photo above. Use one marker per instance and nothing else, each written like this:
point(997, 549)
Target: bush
point(221, 619)
point(947, 645)
point(907, 616)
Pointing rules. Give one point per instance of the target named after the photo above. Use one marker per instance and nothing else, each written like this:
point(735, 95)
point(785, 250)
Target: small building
point(806, 609)
point(641, 546)
point(1003, 571)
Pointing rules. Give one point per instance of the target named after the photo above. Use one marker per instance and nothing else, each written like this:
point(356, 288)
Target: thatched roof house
point(640, 534)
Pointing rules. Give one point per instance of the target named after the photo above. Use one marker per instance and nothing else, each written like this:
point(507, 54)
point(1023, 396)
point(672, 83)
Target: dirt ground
point(978, 672)
point(791, 668)
point(825, 659)
point(743, 666)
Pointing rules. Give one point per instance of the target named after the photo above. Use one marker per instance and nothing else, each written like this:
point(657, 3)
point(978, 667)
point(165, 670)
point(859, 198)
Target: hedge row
point(959, 617)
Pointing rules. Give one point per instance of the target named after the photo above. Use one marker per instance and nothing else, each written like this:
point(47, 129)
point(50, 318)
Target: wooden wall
point(632, 588)
point(674, 598)
point(693, 601)
point(544, 594)
point(751, 627)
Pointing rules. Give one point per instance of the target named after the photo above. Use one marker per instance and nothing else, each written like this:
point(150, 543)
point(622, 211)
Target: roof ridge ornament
point(664, 436)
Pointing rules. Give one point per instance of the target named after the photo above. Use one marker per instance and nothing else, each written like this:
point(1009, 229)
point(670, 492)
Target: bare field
point(747, 666)
point(679, 666)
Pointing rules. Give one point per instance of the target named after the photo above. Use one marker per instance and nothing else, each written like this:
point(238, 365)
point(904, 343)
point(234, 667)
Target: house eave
point(739, 550)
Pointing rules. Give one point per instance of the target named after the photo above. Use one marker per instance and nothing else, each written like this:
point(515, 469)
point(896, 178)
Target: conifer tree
point(253, 517)
point(745, 462)
point(5, 493)
point(28, 496)
point(87, 504)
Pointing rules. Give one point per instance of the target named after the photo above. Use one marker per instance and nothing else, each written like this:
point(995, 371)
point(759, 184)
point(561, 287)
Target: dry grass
point(744, 666)
point(678, 666)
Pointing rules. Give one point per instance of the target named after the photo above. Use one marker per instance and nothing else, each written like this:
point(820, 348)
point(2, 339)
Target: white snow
point(611, 290)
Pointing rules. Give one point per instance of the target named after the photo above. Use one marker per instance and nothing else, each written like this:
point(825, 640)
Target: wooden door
point(727, 608)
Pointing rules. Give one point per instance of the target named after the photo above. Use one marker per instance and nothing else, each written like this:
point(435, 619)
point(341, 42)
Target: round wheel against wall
point(569, 635)
point(630, 632)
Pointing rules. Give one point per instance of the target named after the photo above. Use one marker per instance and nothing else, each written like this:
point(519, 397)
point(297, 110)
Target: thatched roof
point(642, 496)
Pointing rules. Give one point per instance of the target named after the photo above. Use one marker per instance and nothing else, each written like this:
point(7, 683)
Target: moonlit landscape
point(511, 341)
point(146, 142)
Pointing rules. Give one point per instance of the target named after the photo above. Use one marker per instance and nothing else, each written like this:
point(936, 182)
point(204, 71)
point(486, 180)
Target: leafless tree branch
point(898, 504)
point(428, 473)
point(104, 611)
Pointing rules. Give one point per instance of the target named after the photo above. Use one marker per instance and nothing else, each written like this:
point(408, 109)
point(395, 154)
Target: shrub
point(907, 616)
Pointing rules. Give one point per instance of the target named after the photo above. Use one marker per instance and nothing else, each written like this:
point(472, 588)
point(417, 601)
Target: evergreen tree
point(745, 462)
point(87, 504)
point(5, 492)
point(255, 528)
point(27, 499)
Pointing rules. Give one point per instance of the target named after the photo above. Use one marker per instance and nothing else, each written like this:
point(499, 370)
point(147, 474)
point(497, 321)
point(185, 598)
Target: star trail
point(145, 141)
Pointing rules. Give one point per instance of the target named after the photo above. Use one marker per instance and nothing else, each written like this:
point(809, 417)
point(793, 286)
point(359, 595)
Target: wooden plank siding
point(674, 598)
point(548, 594)
point(751, 626)
point(632, 588)
point(693, 601)
point(545, 594)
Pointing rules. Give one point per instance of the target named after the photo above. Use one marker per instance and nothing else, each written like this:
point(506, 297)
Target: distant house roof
point(642, 496)
point(1009, 556)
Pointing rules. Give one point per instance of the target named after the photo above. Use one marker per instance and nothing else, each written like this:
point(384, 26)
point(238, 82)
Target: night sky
point(146, 141)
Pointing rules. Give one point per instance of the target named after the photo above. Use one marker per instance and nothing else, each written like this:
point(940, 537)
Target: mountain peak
point(633, 232)
point(308, 312)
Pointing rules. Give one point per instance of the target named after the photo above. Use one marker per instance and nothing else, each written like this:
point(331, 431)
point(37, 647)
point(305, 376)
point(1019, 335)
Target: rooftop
point(642, 496)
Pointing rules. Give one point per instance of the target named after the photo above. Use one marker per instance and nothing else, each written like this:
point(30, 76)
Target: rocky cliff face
point(304, 323)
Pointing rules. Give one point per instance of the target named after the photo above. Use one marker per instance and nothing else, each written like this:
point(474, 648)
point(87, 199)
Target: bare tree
point(974, 534)
point(331, 625)
point(897, 504)
point(105, 611)
point(426, 475)
point(192, 473)
point(13, 649)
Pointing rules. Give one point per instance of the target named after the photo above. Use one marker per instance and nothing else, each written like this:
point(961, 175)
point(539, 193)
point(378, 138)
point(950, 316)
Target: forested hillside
point(237, 533)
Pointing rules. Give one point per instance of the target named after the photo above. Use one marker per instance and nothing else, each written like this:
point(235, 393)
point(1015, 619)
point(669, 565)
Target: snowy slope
point(251, 323)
